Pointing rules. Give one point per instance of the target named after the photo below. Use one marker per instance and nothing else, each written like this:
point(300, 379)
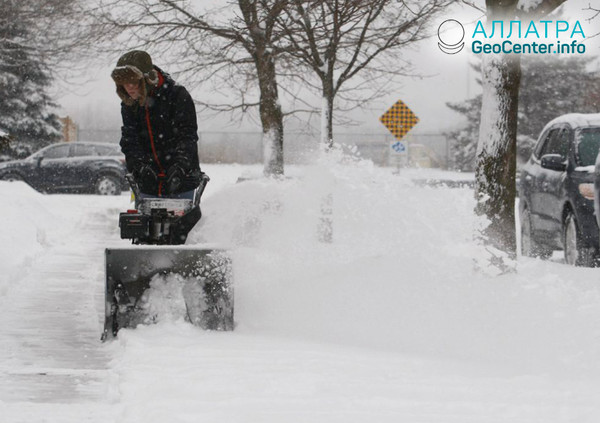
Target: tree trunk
point(496, 154)
point(327, 114)
point(270, 116)
point(497, 148)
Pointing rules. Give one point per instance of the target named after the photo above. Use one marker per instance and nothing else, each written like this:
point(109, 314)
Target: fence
point(428, 150)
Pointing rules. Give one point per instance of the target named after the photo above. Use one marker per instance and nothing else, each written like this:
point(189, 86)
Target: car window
point(588, 144)
point(80, 150)
point(56, 152)
point(544, 141)
point(109, 150)
point(558, 143)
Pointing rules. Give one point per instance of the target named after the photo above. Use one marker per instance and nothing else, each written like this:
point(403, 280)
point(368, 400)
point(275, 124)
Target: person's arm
point(135, 155)
point(185, 130)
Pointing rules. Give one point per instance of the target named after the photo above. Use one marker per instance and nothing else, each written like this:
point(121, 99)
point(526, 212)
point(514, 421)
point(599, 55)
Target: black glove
point(147, 179)
point(175, 175)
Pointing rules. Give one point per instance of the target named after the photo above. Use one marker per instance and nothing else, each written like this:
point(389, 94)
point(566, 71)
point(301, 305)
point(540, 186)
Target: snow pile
point(398, 274)
point(37, 222)
point(28, 221)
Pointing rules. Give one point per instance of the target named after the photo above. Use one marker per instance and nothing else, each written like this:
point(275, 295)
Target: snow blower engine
point(161, 221)
point(157, 269)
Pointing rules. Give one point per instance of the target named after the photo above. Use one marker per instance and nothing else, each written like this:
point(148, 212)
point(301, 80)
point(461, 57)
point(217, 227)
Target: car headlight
point(587, 191)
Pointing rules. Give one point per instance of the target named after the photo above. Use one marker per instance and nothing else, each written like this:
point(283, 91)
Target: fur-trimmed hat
point(134, 66)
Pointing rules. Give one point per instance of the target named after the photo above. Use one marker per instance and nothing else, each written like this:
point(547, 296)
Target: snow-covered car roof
point(576, 120)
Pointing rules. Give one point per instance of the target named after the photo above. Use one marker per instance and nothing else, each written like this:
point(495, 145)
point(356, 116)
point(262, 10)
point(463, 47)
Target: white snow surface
point(388, 323)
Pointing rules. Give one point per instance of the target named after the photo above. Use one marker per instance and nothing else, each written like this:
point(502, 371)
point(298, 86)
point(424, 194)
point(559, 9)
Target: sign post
point(399, 119)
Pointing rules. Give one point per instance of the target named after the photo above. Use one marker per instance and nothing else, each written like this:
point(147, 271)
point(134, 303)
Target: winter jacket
point(162, 133)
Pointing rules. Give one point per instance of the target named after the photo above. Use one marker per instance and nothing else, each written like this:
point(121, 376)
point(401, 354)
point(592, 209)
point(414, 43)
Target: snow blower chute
point(159, 270)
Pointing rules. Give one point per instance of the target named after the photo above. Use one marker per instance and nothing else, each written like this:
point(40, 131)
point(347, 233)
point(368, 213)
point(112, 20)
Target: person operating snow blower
point(159, 140)
point(158, 137)
point(159, 134)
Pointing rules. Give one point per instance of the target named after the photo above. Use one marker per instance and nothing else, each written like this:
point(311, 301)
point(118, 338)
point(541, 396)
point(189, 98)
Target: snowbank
point(398, 275)
point(35, 222)
point(27, 221)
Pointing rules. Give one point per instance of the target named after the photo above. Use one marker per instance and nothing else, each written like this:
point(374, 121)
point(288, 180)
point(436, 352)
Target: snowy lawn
point(387, 323)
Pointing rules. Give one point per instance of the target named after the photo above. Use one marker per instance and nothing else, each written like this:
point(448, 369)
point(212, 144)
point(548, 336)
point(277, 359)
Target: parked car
point(557, 191)
point(71, 167)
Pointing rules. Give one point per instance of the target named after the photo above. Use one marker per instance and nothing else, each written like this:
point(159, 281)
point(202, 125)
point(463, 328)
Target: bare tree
point(497, 147)
point(595, 14)
point(339, 39)
point(229, 46)
point(61, 31)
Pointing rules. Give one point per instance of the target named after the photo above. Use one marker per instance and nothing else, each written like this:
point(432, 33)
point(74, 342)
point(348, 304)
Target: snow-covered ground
point(388, 323)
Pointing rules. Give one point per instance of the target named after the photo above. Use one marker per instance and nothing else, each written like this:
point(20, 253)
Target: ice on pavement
point(389, 322)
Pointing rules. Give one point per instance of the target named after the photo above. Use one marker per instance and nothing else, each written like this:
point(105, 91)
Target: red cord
point(162, 173)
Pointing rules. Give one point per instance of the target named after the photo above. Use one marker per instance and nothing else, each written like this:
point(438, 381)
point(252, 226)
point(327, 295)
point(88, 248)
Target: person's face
point(133, 89)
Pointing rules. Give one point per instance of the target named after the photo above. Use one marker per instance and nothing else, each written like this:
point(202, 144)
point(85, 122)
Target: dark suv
point(71, 167)
point(557, 192)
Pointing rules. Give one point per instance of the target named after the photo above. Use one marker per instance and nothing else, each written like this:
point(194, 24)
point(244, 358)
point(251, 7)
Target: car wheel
point(576, 253)
point(529, 246)
point(108, 185)
point(12, 177)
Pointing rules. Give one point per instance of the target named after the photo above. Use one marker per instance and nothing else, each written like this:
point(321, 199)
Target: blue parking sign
point(399, 147)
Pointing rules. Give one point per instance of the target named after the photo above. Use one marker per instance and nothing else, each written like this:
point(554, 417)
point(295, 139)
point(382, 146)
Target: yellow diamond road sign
point(399, 119)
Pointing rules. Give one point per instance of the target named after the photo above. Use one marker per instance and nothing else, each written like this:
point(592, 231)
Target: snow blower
point(157, 269)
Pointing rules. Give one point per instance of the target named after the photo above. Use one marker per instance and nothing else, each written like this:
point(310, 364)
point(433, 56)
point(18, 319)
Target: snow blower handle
point(134, 185)
point(200, 190)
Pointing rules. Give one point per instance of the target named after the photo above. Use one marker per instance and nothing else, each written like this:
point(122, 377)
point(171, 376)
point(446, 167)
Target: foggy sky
point(443, 78)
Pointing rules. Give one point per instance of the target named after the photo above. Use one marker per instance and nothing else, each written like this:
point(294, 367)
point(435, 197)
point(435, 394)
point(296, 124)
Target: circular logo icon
point(451, 34)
